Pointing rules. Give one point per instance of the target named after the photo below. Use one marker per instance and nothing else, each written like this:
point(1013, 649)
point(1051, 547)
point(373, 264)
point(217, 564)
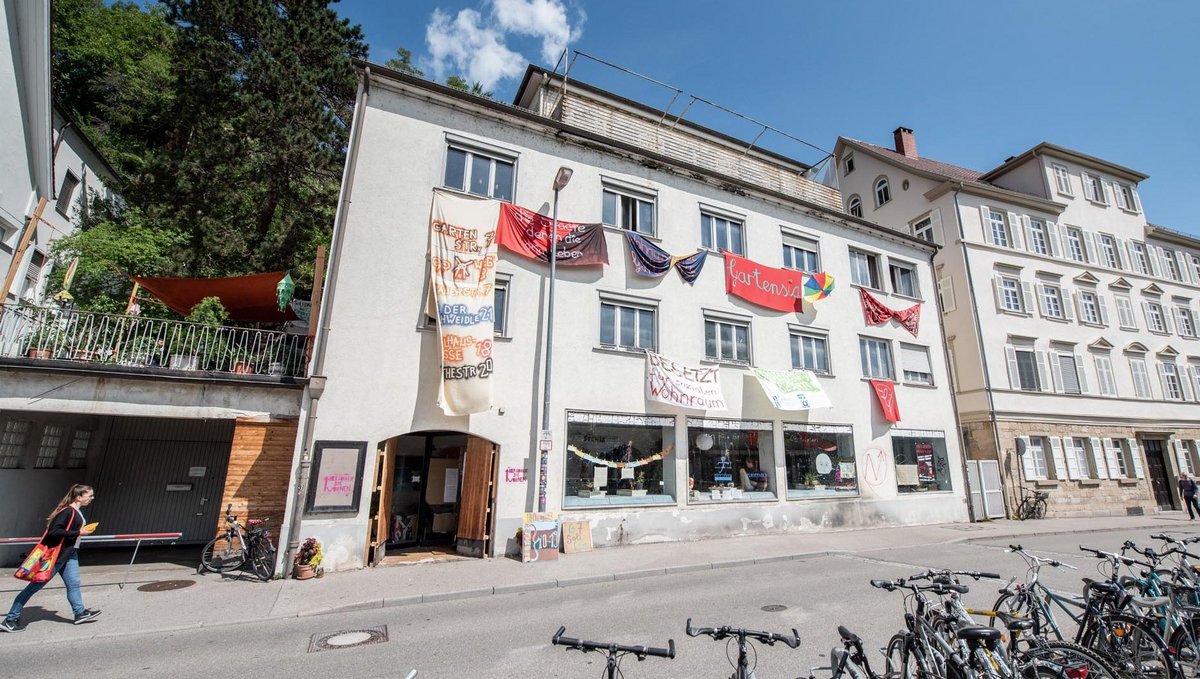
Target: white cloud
point(466, 46)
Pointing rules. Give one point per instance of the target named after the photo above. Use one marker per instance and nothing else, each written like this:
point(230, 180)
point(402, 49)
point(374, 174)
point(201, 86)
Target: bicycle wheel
point(1185, 640)
point(1132, 646)
point(1068, 655)
point(1012, 603)
point(1022, 511)
point(1039, 509)
point(901, 663)
point(223, 555)
point(262, 560)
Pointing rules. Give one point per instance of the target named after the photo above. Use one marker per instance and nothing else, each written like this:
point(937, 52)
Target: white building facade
point(1070, 321)
point(423, 477)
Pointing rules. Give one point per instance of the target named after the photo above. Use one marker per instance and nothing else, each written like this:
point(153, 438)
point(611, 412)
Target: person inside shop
point(751, 477)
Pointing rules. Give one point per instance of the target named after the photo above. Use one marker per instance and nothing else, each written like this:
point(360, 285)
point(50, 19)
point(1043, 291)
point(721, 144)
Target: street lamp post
point(560, 180)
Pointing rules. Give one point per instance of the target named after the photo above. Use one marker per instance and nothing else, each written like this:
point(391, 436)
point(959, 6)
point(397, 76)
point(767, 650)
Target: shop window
point(730, 460)
point(619, 460)
point(820, 460)
point(921, 461)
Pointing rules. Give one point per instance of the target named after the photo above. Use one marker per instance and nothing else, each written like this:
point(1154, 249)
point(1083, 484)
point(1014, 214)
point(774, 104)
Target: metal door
point(163, 476)
point(1156, 465)
point(987, 496)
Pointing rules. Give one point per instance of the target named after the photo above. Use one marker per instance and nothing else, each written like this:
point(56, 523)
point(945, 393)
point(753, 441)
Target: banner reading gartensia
point(462, 274)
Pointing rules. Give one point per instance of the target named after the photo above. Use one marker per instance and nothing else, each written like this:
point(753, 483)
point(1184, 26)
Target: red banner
point(885, 392)
point(527, 233)
point(876, 313)
point(781, 289)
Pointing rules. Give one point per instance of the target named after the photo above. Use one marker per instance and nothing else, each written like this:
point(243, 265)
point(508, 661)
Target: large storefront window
point(921, 462)
point(820, 460)
point(730, 460)
point(619, 460)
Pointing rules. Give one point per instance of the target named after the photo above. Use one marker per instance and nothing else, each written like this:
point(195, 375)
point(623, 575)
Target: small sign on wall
point(335, 484)
point(197, 472)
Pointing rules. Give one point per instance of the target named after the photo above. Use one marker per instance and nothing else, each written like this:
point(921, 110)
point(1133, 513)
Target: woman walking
point(65, 527)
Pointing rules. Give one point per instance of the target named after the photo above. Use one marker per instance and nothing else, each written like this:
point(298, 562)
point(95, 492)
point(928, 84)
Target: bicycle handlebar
point(1018, 549)
point(935, 572)
point(936, 587)
point(724, 632)
point(640, 651)
point(1115, 558)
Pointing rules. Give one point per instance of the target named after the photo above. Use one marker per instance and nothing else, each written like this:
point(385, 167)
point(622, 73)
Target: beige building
point(1070, 320)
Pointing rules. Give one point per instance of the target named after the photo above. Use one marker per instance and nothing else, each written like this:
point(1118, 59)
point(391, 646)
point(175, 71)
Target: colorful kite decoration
point(285, 290)
point(817, 286)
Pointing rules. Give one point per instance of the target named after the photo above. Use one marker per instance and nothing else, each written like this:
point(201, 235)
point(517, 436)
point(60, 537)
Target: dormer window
point(883, 191)
point(849, 164)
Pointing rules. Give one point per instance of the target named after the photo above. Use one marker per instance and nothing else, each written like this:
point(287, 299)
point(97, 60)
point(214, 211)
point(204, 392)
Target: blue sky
point(977, 81)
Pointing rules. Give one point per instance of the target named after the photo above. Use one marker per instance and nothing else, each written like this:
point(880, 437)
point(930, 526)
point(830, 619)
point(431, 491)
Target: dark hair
point(76, 491)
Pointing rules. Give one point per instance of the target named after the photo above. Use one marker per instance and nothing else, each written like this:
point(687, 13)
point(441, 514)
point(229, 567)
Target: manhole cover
point(774, 608)
point(165, 585)
point(349, 638)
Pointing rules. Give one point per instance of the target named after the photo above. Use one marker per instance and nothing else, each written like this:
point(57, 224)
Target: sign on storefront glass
point(921, 461)
point(819, 460)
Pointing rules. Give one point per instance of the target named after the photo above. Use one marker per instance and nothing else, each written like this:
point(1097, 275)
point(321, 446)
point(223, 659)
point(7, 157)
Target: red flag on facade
point(876, 313)
point(885, 392)
point(527, 233)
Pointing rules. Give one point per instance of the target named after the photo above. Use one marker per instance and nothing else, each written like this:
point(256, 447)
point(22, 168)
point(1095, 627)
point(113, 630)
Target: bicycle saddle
point(1014, 622)
point(978, 633)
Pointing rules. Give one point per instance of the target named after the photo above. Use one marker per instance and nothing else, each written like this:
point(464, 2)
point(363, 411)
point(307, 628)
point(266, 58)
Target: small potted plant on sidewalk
point(308, 559)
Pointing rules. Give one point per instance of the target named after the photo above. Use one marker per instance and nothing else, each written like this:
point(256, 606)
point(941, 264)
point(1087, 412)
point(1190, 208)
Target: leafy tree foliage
point(403, 62)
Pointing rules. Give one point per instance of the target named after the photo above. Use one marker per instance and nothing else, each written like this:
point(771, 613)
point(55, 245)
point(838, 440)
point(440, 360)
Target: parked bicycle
point(1032, 504)
point(240, 546)
point(742, 669)
point(615, 652)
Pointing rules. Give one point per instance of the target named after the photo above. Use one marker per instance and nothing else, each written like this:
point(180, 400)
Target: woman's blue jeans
point(69, 570)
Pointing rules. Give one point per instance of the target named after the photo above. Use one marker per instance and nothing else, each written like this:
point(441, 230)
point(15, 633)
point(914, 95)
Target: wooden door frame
point(477, 498)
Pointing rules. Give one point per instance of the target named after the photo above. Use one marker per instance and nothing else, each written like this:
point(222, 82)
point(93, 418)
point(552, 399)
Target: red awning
point(250, 299)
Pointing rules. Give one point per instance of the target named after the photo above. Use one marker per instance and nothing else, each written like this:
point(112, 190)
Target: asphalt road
point(509, 635)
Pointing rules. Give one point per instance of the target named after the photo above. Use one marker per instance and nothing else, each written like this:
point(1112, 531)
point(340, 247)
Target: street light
point(560, 180)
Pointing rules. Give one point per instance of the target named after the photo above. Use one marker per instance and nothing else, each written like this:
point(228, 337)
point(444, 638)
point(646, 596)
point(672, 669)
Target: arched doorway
point(437, 490)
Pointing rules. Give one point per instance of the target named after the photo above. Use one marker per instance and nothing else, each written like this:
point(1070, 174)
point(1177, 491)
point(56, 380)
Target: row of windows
point(54, 449)
point(1075, 458)
point(1096, 189)
point(1089, 307)
point(1062, 370)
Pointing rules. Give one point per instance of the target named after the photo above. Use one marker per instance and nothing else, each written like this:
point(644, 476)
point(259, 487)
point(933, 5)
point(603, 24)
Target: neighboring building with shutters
point(1070, 320)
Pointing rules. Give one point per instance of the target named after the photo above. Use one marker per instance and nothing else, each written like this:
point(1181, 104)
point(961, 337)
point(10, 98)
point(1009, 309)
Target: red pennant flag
point(885, 392)
point(876, 313)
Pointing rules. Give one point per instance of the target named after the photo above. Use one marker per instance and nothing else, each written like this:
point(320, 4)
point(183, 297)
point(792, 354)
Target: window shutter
point(1123, 254)
point(1194, 372)
point(1043, 371)
point(1153, 256)
point(1146, 313)
point(1107, 188)
point(1031, 471)
point(1056, 372)
point(1167, 322)
point(1135, 456)
point(1014, 231)
point(946, 293)
point(1089, 191)
point(1184, 271)
point(1052, 236)
point(1184, 386)
point(1079, 370)
point(1110, 456)
point(1068, 303)
point(985, 215)
point(1196, 446)
point(1027, 231)
point(1102, 306)
point(1075, 303)
point(1120, 195)
point(1137, 202)
point(1098, 458)
point(1179, 322)
point(1041, 298)
point(1180, 455)
point(1073, 471)
point(998, 289)
point(1027, 297)
point(1162, 377)
point(1060, 461)
point(935, 225)
point(1089, 246)
point(1014, 373)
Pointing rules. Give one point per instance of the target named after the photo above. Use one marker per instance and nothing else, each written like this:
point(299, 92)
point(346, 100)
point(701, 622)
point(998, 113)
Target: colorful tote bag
point(39, 565)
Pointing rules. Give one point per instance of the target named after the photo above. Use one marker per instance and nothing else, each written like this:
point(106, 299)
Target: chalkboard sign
point(539, 537)
point(335, 482)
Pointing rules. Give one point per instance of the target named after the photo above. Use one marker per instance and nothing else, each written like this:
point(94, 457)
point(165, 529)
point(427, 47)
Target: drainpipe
point(987, 379)
point(316, 379)
point(962, 447)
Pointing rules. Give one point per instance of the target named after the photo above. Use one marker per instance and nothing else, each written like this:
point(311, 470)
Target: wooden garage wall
point(260, 464)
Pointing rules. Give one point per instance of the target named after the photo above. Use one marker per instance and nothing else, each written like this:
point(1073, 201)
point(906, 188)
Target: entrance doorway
point(1156, 465)
point(442, 492)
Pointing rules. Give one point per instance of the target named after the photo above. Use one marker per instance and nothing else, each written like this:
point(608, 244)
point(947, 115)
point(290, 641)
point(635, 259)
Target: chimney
point(906, 143)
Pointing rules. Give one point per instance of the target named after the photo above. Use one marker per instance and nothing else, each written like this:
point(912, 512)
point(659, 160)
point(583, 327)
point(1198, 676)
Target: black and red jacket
point(63, 530)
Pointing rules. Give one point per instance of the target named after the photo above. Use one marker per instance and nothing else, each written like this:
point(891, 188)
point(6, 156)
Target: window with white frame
point(1155, 322)
point(1125, 313)
point(480, 172)
point(883, 191)
point(998, 227)
point(1186, 322)
point(1074, 243)
point(722, 233)
point(914, 364)
point(726, 339)
point(1195, 267)
point(1172, 387)
point(1141, 377)
point(1170, 266)
point(1125, 196)
point(1078, 465)
point(1089, 308)
point(1009, 289)
point(13, 442)
point(848, 164)
point(500, 305)
point(1062, 180)
point(855, 206)
point(1114, 452)
point(1108, 251)
point(1038, 241)
point(1023, 372)
point(77, 453)
point(1052, 301)
point(810, 352)
point(49, 447)
point(864, 269)
point(1069, 368)
point(627, 325)
point(1104, 375)
point(876, 358)
point(628, 210)
point(1137, 252)
point(923, 229)
point(1033, 459)
point(1093, 188)
point(904, 278)
point(800, 254)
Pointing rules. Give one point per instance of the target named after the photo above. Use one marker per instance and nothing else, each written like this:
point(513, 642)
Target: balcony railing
point(54, 334)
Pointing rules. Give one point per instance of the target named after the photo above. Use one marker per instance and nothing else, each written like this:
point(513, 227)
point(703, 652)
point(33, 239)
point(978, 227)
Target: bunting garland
point(651, 260)
point(876, 313)
point(623, 463)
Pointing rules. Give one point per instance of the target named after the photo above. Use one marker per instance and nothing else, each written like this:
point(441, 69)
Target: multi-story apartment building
point(404, 472)
point(1070, 321)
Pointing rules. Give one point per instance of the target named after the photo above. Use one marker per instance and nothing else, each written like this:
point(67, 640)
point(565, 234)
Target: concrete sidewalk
point(211, 600)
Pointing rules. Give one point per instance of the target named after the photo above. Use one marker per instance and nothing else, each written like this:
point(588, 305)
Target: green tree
point(459, 83)
point(403, 62)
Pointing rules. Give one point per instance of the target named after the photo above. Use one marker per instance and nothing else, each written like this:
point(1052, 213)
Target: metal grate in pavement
point(774, 608)
point(332, 641)
point(165, 585)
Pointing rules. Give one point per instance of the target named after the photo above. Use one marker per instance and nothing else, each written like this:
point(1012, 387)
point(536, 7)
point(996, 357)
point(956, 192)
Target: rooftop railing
point(52, 333)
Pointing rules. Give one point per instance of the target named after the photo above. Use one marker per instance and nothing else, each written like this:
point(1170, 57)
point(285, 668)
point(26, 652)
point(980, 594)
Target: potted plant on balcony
point(187, 342)
point(44, 342)
point(241, 360)
point(308, 559)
